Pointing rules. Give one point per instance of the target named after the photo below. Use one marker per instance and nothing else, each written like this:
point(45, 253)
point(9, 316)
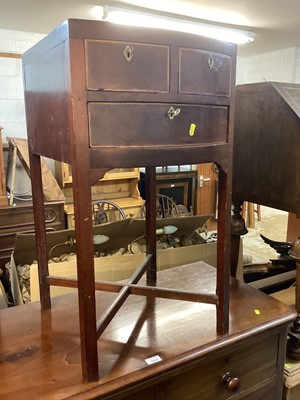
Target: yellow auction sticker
point(192, 129)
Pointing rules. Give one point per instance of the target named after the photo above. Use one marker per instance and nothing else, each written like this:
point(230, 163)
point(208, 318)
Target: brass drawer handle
point(172, 113)
point(232, 383)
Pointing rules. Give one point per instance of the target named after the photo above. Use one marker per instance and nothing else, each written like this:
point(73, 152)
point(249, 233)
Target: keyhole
point(210, 62)
point(128, 53)
point(172, 113)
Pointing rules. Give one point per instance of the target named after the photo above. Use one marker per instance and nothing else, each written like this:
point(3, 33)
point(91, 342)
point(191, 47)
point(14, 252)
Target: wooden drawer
point(16, 219)
point(149, 394)
point(131, 124)
point(121, 66)
point(71, 218)
point(19, 219)
point(204, 72)
point(132, 212)
point(255, 364)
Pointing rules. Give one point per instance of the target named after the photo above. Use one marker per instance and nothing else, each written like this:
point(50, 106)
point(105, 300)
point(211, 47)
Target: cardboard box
point(116, 267)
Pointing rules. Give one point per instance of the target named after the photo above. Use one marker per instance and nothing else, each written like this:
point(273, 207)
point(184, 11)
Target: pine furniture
point(119, 185)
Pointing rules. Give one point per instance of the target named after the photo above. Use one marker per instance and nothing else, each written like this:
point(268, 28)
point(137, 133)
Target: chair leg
point(258, 211)
point(244, 209)
point(248, 211)
point(250, 215)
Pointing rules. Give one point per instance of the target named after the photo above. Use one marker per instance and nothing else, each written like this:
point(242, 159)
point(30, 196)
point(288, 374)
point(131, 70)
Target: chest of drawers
point(172, 333)
point(19, 218)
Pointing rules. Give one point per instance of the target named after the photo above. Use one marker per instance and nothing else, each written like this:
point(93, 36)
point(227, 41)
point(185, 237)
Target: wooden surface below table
point(40, 351)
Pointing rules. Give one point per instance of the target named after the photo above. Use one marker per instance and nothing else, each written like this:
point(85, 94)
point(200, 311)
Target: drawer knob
point(232, 383)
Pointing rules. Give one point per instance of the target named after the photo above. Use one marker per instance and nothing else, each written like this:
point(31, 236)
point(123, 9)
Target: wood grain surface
point(40, 351)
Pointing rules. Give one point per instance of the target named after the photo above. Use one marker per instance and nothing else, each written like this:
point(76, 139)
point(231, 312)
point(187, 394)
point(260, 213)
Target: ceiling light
point(97, 12)
point(151, 20)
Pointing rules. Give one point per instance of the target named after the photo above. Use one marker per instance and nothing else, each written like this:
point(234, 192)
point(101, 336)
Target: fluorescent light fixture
point(151, 20)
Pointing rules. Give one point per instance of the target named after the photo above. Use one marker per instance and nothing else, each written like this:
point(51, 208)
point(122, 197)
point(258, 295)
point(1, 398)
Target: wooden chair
point(106, 211)
point(165, 207)
point(248, 213)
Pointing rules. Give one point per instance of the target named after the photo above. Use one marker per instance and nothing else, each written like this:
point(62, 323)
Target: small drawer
point(14, 217)
point(255, 364)
point(132, 212)
point(122, 66)
point(17, 219)
point(151, 124)
point(204, 72)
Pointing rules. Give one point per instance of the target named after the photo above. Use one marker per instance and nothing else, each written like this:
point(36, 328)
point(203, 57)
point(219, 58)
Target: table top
point(40, 351)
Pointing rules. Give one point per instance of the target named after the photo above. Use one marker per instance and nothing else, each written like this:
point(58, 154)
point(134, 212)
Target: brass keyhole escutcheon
point(210, 62)
point(128, 53)
point(172, 113)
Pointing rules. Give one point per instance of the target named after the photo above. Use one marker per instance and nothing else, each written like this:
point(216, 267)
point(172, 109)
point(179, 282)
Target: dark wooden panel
point(130, 124)
point(253, 363)
point(127, 66)
point(268, 392)
point(149, 394)
point(266, 145)
point(50, 113)
point(204, 72)
point(43, 347)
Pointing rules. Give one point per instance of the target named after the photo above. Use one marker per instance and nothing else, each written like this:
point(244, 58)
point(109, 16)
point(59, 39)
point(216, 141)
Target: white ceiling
point(275, 23)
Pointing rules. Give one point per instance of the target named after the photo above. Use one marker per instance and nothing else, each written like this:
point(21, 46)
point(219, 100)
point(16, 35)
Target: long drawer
point(131, 124)
point(254, 363)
